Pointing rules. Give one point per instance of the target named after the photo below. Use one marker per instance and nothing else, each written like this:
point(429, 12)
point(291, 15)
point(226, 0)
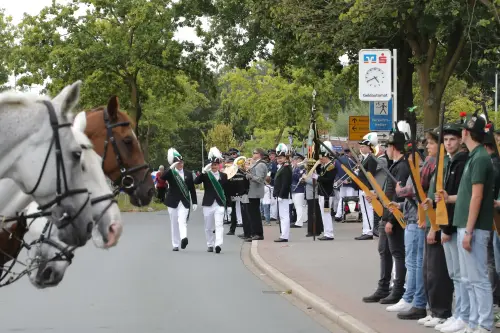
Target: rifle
point(441, 211)
point(383, 197)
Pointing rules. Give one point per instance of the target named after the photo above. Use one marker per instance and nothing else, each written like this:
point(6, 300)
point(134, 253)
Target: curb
point(340, 318)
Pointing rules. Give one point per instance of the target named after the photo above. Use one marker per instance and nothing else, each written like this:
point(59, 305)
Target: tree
point(6, 44)
point(114, 48)
point(220, 136)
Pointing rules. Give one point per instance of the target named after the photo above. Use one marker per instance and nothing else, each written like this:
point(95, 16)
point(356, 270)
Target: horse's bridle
point(60, 170)
point(126, 181)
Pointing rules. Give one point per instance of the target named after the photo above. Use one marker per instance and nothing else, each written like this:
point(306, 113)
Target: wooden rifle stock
point(377, 206)
point(441, 211)
point(385, 200)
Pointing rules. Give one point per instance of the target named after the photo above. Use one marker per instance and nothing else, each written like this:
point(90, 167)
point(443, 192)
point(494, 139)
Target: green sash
point(182, 185)
point(281, 168)
point(218, 187)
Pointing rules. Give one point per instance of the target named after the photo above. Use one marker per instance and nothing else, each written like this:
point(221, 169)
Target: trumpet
point(338, 183)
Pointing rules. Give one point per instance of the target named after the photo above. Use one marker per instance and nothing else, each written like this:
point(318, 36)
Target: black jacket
point(370, 165)
point(496, 171)
point(401, 171)
point(210, 194)
point(238, 185)
point(283, 182)
point(174, 194)
point(452, 177)
point(326, 177)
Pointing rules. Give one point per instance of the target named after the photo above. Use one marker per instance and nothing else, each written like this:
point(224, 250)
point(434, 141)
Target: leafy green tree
point(6, 44)
point(220, 136)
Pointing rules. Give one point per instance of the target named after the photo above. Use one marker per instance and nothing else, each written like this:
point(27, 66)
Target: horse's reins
point(125, 181)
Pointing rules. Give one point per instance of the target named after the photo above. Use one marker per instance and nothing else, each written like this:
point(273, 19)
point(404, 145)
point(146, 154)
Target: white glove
point(206, 168)
point(194, 207)
point(315, 176)
point(249, 176)
point(229, 210)
point(280, 199)
point(173, 165)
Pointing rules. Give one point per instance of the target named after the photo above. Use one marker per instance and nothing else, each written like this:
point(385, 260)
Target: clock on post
point(375, 75)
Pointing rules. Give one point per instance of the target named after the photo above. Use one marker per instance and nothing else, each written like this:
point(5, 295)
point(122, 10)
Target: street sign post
point(381, 116)
point(375, 74)
point(358, 127)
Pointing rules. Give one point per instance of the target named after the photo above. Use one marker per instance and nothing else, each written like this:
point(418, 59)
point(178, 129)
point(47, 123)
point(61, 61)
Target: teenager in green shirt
point(474, 218)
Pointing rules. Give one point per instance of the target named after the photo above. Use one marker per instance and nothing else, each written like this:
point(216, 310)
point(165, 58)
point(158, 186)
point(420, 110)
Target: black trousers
point(437, 282)
point(317, 221)
point(160, 192)
point(255, 217)
point(390, 246)
point(244, 216)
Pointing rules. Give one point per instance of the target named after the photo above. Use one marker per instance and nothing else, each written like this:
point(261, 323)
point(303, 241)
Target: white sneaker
point(448, 321)
point(434, 321)
point(457, 326)
point(400, 306)
point(424, 320)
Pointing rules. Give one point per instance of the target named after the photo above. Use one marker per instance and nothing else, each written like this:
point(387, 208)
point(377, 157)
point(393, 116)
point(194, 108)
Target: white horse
point(40, 154)
point(50, 257)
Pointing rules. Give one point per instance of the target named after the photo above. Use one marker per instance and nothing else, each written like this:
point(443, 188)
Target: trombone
point(338, 183)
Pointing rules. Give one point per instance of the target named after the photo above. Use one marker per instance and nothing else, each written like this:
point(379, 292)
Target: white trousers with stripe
point(214, 219)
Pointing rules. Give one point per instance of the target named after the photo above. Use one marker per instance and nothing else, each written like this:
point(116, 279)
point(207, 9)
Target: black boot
point(393, 298)
point(413, 314)
point(376, 297)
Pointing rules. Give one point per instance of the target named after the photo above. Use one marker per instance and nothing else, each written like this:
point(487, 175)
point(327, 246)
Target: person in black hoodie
point(391, 242)
point(453, 174)
point(282, 191)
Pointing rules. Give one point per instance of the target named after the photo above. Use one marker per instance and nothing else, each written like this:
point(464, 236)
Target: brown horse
point(111, 134)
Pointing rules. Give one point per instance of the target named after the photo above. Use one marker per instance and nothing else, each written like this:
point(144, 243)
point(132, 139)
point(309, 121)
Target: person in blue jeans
point(412, 304)
point(266, 200)
point(473, 218)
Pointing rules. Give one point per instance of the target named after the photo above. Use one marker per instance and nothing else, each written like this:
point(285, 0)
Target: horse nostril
point(47, 273)
point(151, 191)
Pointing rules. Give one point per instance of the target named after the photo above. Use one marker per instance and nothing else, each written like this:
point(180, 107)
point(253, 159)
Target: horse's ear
point(80, 122)
point(113, 107)
point(69, 97)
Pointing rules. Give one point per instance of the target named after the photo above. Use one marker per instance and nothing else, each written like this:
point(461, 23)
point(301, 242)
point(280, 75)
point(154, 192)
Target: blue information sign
point(381, 116)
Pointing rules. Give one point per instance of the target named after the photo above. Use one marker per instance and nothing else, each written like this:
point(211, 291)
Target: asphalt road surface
point(142, 286)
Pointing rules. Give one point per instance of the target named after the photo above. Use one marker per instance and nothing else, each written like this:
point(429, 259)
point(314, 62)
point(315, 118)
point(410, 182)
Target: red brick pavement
point(340, 271)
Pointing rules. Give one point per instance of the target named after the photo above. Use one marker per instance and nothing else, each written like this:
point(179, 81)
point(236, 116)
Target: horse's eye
point(77, 155)
point(128, 140)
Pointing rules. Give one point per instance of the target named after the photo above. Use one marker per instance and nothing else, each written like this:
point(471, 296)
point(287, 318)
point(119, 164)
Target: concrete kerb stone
point(340, 318)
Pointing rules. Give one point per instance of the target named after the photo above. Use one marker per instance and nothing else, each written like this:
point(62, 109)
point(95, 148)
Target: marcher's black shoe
point(242, 236)
point(217, 249)
point(375, 233)
point(295, 226)
point(413, 314)
point(376, 297)
point(281, 240)
point(175, 249)
point(324, 238)
point(184, 243)
point(364, 237)
point(391, 299)
point(210, 249)
point(230, 233)
point(258, 237)
point(338, 219)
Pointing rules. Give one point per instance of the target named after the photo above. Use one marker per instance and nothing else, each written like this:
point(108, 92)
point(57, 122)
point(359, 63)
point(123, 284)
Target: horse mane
point(13, 97)
point(125, 115)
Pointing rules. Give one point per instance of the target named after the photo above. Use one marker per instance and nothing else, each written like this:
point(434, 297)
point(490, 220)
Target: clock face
point(374, 77)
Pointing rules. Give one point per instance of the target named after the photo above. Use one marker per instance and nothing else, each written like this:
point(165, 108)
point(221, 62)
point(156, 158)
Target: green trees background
point(250, 79)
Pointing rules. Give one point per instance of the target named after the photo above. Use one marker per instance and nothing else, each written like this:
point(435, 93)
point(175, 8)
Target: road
point(142, 286)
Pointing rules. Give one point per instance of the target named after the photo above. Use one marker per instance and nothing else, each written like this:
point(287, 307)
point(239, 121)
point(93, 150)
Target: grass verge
point(126, 206)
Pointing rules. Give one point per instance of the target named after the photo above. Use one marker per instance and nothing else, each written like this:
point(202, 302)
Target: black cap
point(297, 155)
point(433, 133)
point(474, 123)
point(453, 128)
point(396, 138)
point(271, 151)
point(233, 150)
point(365, 142)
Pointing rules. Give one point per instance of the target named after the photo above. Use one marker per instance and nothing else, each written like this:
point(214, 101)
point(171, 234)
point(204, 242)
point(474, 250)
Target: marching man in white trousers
point(281, 191)
point(180, 196)
point(369, 162)
point(215, 200)
point(298, 191)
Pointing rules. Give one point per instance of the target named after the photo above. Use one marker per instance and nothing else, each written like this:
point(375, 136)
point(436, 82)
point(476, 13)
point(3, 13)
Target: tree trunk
point(136, 111)
point(278, 137)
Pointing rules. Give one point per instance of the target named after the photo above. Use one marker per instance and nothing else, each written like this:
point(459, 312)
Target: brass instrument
point(338, 183)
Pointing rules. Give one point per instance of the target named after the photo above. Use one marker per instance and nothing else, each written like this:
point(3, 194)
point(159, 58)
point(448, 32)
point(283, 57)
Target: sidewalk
point(340, 272)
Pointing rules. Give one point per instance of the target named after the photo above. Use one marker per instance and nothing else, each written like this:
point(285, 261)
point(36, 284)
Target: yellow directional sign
point(359, 126)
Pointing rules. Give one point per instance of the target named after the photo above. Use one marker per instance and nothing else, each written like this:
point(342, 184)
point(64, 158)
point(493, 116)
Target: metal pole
point(496, 96)
point(395, 86)
point(202, 157)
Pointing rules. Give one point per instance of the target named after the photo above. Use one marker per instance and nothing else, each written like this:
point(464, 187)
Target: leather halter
point(60, 170)
point(126, 181)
